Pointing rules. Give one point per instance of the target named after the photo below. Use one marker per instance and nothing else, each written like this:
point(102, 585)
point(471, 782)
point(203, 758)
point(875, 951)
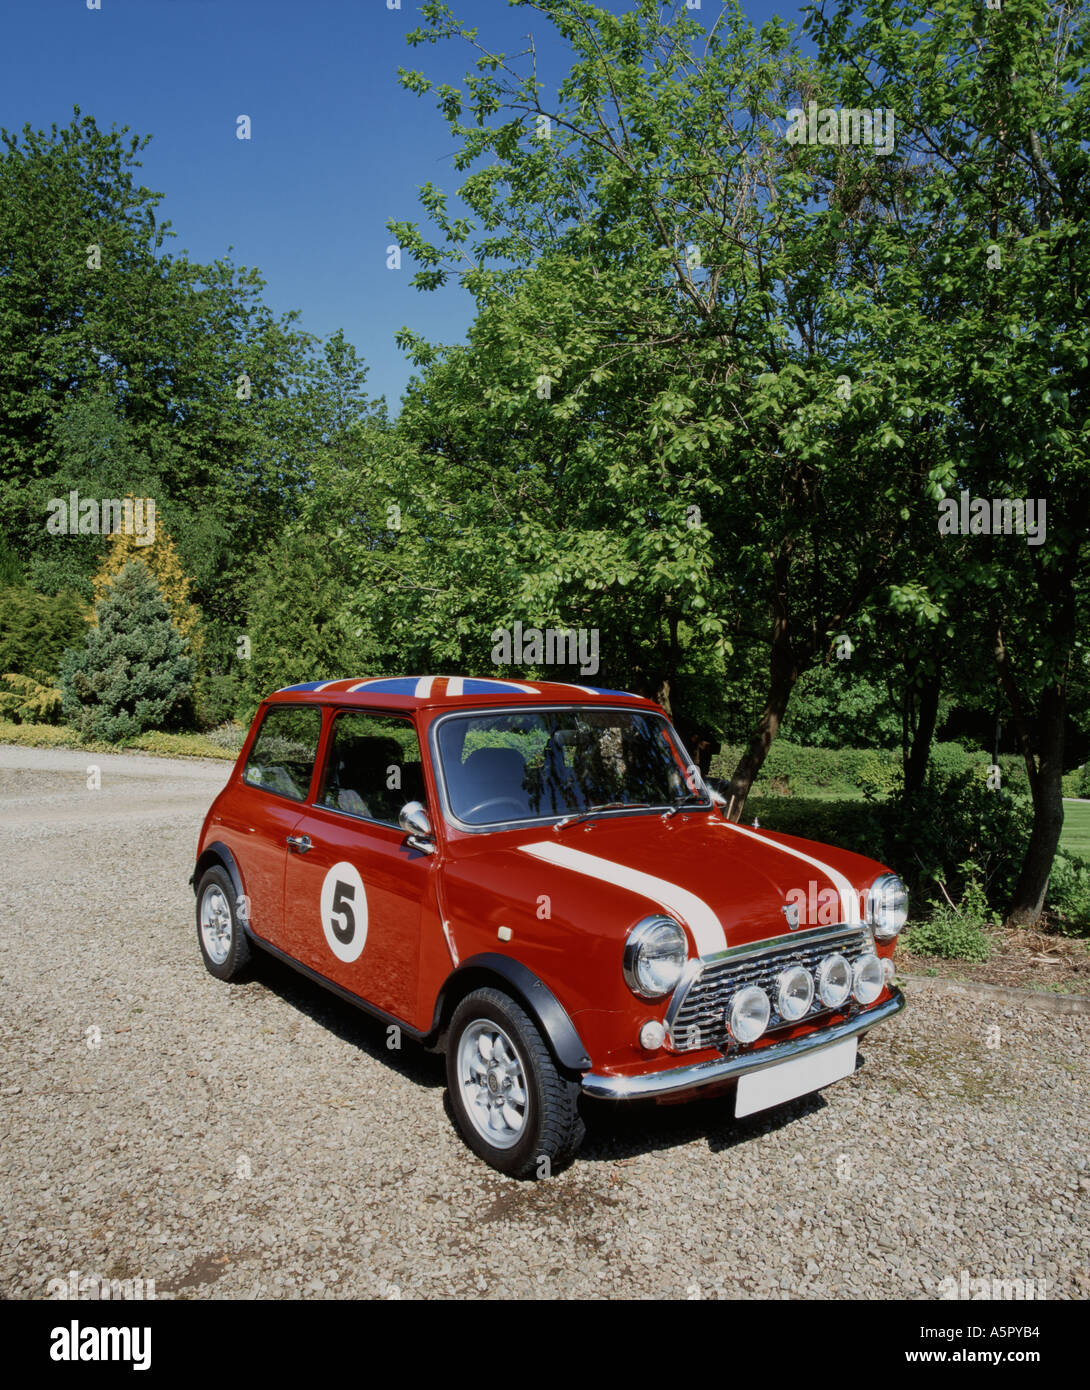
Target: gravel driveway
point(260, 1140)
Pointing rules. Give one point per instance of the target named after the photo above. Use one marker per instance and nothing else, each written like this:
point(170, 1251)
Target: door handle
point(300, 842)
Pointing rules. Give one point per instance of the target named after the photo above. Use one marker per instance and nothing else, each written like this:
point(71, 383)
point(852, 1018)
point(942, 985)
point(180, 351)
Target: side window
point(373, 767)
point(282, 758)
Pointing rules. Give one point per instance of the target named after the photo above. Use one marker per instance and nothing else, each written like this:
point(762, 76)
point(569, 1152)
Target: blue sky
point(337, 147)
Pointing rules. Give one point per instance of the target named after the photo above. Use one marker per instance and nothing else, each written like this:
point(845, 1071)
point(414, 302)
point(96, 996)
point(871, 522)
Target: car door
point(260, 817)
point(354, 889)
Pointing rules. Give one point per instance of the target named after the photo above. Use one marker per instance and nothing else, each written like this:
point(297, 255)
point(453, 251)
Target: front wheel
point(224, 948)
point(514, 1107)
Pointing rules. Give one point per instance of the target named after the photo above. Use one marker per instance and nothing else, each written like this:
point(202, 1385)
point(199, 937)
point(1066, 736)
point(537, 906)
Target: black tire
point(237, 958)
point(552, 1129)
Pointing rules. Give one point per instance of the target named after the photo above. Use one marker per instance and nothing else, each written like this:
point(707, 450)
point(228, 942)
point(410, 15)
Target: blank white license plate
point(757, 1090)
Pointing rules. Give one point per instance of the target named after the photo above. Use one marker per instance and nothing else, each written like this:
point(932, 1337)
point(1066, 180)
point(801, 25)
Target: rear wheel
point(514, 1107)
point(224, 948)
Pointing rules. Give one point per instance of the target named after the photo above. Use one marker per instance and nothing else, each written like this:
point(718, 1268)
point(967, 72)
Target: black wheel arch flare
point(218, 853)
point(533, 994)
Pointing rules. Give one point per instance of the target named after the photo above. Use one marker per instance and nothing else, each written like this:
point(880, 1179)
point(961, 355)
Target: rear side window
point(373, 767)
point(282, 758)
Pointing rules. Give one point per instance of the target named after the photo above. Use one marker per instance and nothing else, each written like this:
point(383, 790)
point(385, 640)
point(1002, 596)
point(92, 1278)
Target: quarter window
point(373, 767)
point(282, 758)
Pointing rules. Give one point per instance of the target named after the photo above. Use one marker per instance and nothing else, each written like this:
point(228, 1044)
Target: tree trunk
point(1048, 813)
point(916, 762)
point(783, 673)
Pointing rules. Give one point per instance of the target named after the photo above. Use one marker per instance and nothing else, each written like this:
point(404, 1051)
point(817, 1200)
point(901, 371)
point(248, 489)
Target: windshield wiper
point(602, 806)
point(676, 806)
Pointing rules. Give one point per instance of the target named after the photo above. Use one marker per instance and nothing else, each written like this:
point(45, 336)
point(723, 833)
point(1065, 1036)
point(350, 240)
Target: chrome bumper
point(678, 1079)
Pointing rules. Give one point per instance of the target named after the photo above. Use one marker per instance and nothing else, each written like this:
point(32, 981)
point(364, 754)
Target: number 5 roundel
point(344, 911)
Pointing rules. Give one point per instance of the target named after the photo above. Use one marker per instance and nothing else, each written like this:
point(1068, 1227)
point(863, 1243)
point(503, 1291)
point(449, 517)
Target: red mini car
point(534, 879)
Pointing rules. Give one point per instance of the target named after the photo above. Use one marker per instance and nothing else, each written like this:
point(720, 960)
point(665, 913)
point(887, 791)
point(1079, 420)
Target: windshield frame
point(654, 809)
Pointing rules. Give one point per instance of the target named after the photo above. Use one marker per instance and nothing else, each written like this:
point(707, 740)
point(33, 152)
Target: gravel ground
point(260, 1141)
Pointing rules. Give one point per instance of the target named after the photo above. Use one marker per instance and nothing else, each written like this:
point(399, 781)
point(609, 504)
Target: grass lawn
point(1075, 836)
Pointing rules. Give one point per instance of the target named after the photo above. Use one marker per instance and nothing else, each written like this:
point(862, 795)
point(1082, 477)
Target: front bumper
point(692, 1078)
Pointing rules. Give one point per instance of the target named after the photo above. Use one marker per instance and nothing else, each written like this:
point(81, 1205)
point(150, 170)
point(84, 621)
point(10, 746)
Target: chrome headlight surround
point(887, 906)
point(655, 954)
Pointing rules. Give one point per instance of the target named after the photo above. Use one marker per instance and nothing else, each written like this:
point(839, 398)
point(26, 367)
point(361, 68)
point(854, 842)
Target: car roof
point(450, 692)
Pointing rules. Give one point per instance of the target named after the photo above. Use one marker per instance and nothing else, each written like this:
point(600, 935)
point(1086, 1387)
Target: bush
point(134, 671)
point(217, 697)
point(949, 934)
point(36, 630)
point(956, 932)
point(1069, 894)
point(230, 736)
point(163, 745)
point(879, 778)
point(952, 760)
point(951, 833)
point(856, 825)
point(29, 699)
point(802, 770)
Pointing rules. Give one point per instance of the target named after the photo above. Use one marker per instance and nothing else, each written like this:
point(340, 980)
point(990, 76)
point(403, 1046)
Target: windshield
point(514, 765)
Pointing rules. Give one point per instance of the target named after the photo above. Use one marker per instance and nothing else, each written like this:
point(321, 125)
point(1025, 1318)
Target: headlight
point(887, 906)
point(834, 981)
point(794, 993)
point(749, 1014)
point(868, 978)
point(654, 957)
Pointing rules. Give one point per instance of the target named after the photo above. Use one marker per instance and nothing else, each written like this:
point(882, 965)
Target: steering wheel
point(495, 801)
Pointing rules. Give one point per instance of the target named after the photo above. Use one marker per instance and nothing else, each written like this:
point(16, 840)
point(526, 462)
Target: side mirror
point(413, 819)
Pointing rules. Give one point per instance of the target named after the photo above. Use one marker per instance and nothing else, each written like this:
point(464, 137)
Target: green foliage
point(956, 931)
point(955, 833)
point(28, 700)
point(856, 825)
point(879, 779)
point(950, 934)
point(110, 399)
point(217, 698)
point(1069, 894)
point(832, 707)
point(958, 832)
point(229, 736)
point(36, 629)
point(304, 622)
point(166, 745)
point(794, 770)
point(134, 671)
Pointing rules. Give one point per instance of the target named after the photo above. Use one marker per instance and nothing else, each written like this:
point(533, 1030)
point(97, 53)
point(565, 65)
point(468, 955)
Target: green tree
point(300, 622)
point(134, 671)
point(127, 369)
point(988, 251)
point(672, 317)
point(37, 629)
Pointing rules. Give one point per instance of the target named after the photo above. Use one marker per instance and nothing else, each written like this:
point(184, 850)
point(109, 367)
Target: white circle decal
point(344, 911)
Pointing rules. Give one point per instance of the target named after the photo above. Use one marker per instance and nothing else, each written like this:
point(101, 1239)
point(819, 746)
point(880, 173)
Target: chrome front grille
point(697, 1014)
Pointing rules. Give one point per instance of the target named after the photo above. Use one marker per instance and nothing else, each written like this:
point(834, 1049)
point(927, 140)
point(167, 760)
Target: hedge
point(165, 745)
point(794, 770)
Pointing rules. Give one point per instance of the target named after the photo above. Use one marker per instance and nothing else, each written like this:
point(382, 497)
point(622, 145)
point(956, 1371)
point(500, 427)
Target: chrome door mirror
point(413, 819)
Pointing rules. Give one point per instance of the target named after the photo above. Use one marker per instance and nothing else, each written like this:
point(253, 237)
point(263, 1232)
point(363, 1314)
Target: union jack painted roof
point(417, 692)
